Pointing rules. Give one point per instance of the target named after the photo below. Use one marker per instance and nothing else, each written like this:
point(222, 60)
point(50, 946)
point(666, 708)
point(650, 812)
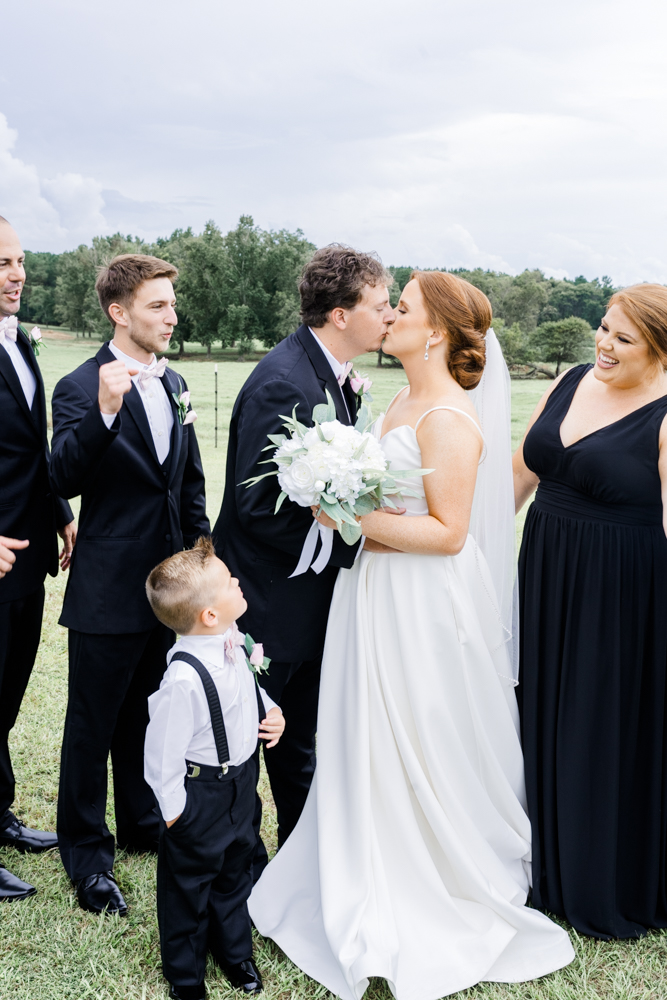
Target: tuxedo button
point(159, 434)
point(167, 538)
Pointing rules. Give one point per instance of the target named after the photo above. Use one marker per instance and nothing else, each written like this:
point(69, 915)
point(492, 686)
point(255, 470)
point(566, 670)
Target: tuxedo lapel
point(8, 372)
point(324, 373)
point(40, 396)
point(353, 401)
point(172, 384)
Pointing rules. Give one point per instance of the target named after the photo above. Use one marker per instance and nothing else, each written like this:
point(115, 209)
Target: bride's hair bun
point(464, 314)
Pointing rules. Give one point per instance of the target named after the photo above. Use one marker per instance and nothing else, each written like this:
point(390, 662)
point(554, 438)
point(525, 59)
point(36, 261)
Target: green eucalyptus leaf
point(256, 479)
point(279, 501)
point(350, 533)
point(363, 505)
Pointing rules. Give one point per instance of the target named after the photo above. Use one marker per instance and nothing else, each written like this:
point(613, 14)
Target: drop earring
point(428, 344)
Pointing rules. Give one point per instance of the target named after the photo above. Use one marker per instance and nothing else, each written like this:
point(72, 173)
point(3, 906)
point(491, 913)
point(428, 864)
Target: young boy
point(204, 724)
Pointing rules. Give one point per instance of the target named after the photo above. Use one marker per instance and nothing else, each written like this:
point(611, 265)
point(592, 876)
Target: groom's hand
point(115, 382)
point(272, 727)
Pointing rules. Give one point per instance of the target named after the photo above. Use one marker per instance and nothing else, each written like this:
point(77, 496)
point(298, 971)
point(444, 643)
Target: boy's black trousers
point(204, 875)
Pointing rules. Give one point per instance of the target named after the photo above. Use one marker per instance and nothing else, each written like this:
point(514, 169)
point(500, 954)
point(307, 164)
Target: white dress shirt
point(180, 722)
point(22, 369)
point(156, 404)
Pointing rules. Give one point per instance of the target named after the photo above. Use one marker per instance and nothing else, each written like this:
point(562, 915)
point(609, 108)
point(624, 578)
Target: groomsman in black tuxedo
point(346, 311)
point(125, 442)
point(30, 515)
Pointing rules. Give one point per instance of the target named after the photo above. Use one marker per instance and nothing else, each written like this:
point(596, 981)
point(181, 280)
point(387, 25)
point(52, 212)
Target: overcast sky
point(494, 133)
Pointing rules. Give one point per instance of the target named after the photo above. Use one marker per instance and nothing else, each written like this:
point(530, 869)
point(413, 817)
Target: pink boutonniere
point(361, 385)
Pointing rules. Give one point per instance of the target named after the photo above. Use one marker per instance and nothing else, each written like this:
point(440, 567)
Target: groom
point(346, 312)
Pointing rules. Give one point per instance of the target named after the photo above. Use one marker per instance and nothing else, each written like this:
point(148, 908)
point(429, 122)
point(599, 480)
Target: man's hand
point(170, 822)
point(115, 381)
point(273, 727)
point(68, 535)
point(7, 557)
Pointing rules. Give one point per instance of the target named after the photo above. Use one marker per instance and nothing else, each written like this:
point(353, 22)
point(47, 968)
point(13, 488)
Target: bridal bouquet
point(343, 469)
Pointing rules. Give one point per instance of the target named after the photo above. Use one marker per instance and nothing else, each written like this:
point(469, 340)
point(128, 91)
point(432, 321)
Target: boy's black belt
point(217, 721)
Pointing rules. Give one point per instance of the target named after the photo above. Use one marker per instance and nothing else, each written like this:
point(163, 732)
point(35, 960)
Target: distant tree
point(77, 305)
point(524, 298)
point(564, 341)
point(201, 292)
point(38, 301)
point(174, 249)
point(586, 299)
point(286, 255)
point(515, 343)
point(401, 277)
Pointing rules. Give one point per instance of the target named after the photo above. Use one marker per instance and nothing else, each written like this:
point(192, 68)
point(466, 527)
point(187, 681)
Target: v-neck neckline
point(567, 447)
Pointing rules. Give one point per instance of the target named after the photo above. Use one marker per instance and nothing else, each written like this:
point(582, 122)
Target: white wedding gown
point(411, 858)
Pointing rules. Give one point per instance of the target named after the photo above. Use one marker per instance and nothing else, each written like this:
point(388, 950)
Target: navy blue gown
point(592, 694)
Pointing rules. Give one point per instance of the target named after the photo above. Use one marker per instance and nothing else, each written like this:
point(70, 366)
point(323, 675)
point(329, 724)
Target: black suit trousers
point(204, 876)
point(110, 680)
point(20, 629)
point(291, 763)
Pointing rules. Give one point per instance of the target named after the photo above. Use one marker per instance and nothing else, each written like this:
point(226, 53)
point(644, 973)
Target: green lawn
point(51, 950)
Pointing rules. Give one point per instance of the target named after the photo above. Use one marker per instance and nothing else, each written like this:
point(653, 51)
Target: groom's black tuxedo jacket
point(28, 506)
point(134, 511)
point(262, 549)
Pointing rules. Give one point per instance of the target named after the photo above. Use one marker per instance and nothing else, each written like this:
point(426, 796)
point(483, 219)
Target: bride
point(411, 859)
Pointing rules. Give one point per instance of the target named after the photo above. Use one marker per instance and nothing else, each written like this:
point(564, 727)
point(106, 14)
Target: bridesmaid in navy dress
point(593, 585)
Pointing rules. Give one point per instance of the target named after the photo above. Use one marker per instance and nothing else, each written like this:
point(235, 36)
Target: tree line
point(241, 287)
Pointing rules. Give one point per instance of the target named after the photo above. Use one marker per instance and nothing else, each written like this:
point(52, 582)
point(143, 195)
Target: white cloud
point(64, 210)
point(452, 132)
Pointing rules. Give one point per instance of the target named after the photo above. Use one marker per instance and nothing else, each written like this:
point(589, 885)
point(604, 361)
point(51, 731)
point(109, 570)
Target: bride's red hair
point(464, 314)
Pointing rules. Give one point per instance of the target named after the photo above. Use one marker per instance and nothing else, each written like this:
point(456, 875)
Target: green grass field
point(50, 949)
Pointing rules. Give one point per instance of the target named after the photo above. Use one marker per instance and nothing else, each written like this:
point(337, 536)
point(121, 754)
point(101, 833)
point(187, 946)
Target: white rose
point(298, 481)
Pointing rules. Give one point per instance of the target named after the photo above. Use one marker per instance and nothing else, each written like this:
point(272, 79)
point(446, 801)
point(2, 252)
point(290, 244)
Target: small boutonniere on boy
point(361, 386)
point(186, 415)
point(254, 652)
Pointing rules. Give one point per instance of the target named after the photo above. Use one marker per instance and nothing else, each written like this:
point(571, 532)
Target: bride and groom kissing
point(406, 856)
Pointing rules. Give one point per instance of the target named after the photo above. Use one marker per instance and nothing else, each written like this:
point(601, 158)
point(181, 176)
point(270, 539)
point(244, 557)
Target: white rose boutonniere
point(35, 338)
point(186, 416)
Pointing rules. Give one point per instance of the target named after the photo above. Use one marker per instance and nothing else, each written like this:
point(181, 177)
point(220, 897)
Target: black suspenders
point(217, 721)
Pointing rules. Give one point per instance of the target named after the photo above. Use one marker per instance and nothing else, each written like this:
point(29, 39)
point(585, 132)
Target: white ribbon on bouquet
point(308, 550)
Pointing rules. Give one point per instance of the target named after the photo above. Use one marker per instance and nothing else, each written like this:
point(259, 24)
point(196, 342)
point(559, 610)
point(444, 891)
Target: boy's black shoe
point(188, 992)
point(244, 976)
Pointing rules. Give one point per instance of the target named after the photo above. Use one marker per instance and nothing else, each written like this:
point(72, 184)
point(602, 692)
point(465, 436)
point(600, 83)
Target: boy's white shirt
point(180, 721)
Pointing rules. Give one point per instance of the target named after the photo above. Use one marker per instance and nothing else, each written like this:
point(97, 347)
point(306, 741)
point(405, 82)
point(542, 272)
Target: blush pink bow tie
point(233, 640)
point(155, 371)
point(9, 329)
point(345, 372)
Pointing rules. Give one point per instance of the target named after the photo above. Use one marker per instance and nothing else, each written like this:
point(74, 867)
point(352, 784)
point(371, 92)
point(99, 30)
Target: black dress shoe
point(100, 892)
point(244, 976)
point(188, 992)
point(17, 834)
point(12, 887)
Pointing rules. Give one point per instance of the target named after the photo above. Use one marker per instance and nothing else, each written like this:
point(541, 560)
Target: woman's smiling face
point(623, 358)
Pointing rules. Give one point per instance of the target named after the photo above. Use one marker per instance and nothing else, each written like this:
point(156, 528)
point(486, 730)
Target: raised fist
point(115, 381)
